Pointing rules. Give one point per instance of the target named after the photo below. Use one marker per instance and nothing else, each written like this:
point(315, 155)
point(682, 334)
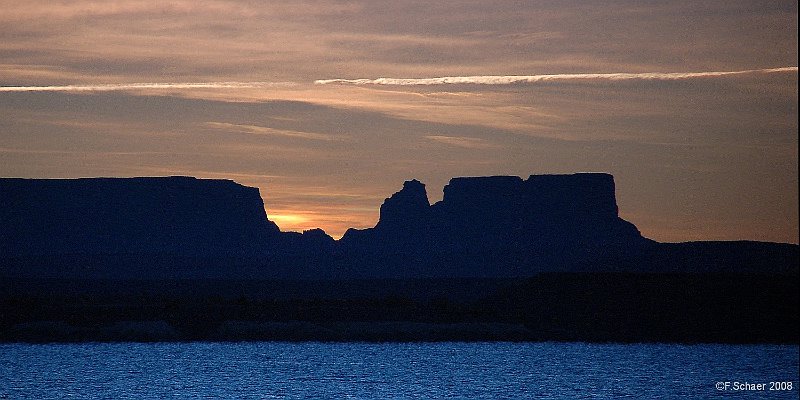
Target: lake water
point(401, 370)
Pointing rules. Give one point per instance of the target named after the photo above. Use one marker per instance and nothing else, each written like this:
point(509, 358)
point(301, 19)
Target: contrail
point(512, 79)
point(134, 86)
point(446, 80)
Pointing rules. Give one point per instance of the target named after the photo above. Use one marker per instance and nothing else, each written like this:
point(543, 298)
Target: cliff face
point(499, 225)
point(191, 259)
point(577, 208)
point(177, 216)
point(407, 207)
point(502, 226)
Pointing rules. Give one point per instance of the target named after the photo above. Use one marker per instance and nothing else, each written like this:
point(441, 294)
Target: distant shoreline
point(559, 307)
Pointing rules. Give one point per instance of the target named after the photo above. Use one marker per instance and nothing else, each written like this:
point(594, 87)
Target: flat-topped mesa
point(498, 226)
point(544, 210)
point(478, 190)
point(588, 195)
point(178, 216)
point(567, 208)
point(577, 209)
point(583, 194)
point(188, 228)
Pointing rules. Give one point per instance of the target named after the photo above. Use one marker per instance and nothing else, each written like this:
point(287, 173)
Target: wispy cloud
point(262, 130)
point(512, 79)
point(135, 86)
point(446, 80)
point(460, 141)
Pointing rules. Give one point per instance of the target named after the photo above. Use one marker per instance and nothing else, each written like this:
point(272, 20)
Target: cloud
point(135, 86)
point(460, 141)
point(261, 130)
point(447, 80)
point(512, 79)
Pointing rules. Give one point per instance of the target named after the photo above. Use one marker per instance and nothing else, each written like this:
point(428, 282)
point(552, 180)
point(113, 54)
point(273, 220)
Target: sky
point(328, 106)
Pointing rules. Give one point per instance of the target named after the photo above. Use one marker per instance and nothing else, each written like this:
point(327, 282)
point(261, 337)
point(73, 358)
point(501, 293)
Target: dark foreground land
point(547, 258)
point(592, 307)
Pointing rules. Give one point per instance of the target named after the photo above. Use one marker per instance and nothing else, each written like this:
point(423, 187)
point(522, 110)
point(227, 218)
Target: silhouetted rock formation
point(407, 208)
point(499, 258)
point(177, 216)
point(498, 226)
point(573, 211)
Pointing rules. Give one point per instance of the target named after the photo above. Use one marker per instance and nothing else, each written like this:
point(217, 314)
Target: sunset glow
point(329, 107)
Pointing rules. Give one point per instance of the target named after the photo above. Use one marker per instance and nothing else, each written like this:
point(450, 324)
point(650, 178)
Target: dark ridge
point(590, 307)
point(499, 226)
point(499, 258)
point(179, 216)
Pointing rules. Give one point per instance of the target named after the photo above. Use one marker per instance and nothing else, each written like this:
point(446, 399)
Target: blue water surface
point(267, 370)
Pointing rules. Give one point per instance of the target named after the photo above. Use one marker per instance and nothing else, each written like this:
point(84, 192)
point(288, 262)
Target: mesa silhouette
point(501, 226)
point(499, 258)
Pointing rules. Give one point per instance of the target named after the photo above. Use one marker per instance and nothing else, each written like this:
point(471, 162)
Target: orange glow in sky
point(692, 106)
